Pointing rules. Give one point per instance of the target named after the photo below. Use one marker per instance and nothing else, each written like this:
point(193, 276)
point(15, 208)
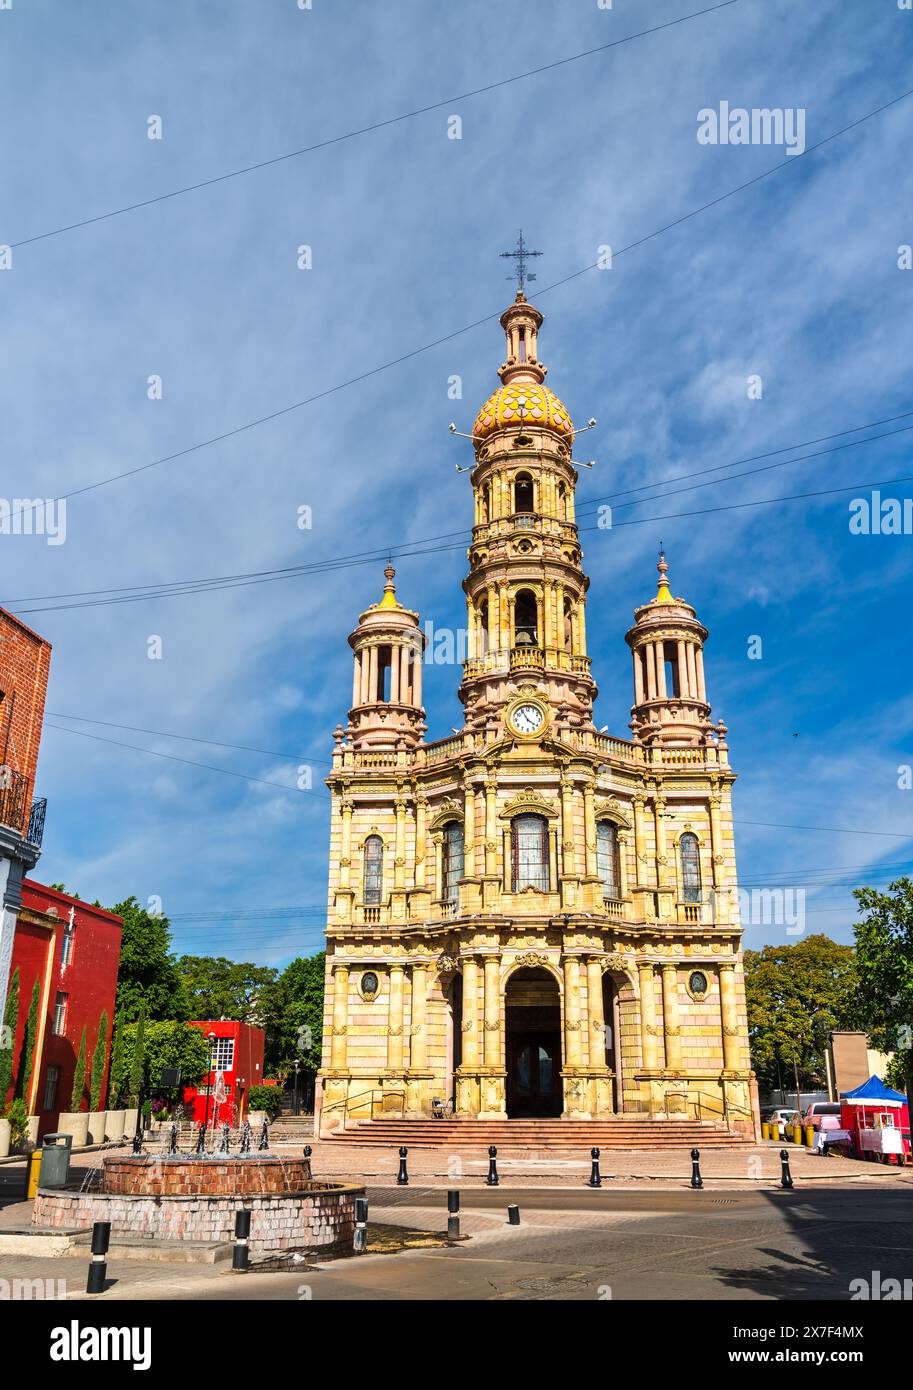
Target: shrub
point(268, 1098)
point(19, 1123)
point(10, 1017)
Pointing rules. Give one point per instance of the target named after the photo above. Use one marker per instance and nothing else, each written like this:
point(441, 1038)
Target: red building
point(236, 1065)
point(72, 951)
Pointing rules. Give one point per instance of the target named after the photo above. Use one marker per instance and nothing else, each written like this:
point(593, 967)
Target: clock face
point(527, 719)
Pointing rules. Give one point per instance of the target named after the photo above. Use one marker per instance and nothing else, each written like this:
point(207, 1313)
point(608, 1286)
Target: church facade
point(530, 917)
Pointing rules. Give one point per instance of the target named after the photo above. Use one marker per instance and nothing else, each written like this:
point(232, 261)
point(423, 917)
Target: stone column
point(491, 828)
point(365, 661)
point(345, 843)
point(470, 1013)
point(597, 1033)
point(648, 1035)
point(399, 860)
point(659, 658)
point(651, 670)
point(567, 827)
point(684, 684)
point(581, 626)
point(671, 1029)
point(417, 674)
point(732, 1059)
point(469, 830)
point(503, 617)
point(692, 671)
point(394, 674)
point(589, 831)
point(659, 829)
point(559, 614)
point(492, 1012)
point(395, 1020)
point(622, 864)
point(372, 674)
point(638, 678)
point(356, 681)
point(421, 809)
point(572, 1032)
point(699, 671)
point(340, 1017)
point(418, 1036)
point(493, 643)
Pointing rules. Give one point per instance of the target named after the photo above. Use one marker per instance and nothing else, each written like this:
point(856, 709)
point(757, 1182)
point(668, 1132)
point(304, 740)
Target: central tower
point(526, 590)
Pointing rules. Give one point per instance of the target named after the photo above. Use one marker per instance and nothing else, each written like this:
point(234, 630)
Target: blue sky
point(794, 279)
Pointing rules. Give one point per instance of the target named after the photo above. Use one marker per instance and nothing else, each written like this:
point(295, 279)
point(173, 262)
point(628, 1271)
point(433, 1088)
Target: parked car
point(782, 1114)
point(823, 1114)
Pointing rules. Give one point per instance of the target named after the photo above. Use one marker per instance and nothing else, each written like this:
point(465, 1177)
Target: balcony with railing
point(16, 811)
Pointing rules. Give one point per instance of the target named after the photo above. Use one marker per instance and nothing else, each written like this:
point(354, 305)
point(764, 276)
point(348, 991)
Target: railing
point(14, 805)
point(613, 907)
point(35, 832)
point(369, 1098)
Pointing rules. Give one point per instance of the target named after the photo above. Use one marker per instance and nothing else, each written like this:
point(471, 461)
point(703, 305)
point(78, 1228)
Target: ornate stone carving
point(531, 960)
point(529, 800)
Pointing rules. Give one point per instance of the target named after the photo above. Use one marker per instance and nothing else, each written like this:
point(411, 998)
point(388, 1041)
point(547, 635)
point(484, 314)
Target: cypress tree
point(10, 1018)
point(99, 1057)
point(27, 1055)
point(115, 1073)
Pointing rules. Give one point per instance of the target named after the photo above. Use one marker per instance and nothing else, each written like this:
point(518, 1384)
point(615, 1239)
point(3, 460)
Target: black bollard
point(595, 1175)
point(492, 1180)
point(786, 1177)
point(98, 1268)
point(138, 1141)
point(513, 1216)
point(402, 1176)
point(360, 1243)
point(307, 1162)
point(453, 1215)
point(240, 1258)
point(696, 1179)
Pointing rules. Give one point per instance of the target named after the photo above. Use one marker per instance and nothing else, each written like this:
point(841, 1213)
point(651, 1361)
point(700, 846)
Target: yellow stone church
point(532, 918)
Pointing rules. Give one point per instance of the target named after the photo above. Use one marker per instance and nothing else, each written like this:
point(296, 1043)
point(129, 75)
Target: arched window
point(607, 859)
point(526, 626)
point(374, 869)
point(691, 868)
point(523, 493)
point(562, 502)
point(453, 860)
point(529, 853)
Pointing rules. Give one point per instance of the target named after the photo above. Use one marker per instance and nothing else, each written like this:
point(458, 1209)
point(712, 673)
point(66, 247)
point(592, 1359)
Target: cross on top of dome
point(521, 255)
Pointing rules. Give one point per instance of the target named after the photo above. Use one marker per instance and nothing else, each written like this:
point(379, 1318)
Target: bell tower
point(670, 697)
point(388, 645)
point(526, 589)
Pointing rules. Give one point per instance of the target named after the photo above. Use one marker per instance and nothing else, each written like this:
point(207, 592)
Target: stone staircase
point(292, 1129)
point(540, 1136)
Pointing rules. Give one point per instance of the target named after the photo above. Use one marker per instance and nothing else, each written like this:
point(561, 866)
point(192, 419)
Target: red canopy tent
point(879, 1121)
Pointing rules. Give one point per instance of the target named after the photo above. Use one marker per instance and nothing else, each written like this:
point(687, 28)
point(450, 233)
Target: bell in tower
point(667, 643)
point(388, 646)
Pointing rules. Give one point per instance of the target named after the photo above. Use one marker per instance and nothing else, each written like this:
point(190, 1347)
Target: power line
point(186, 738)
point(488, 318)
point(369, 129)
point(208, 767)
point(206, 586)
point(171, 588)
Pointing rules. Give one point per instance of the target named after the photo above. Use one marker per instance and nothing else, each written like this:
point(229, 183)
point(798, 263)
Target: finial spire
point(521, 255)
point(389, 598)
point(663, 592)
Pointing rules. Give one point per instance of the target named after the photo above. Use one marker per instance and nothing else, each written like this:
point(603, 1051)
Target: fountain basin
point(185, 1197)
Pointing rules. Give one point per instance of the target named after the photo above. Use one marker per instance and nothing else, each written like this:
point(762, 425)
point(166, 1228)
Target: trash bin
point(55, 1160)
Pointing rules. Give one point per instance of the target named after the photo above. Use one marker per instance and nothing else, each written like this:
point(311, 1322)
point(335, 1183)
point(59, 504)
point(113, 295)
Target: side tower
point(530, 918)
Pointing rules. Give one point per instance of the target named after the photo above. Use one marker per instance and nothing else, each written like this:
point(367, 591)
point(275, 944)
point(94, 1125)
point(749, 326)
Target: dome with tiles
point(523, 402)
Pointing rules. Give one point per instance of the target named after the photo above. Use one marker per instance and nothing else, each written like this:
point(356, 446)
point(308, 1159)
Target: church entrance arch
point(532, 1009)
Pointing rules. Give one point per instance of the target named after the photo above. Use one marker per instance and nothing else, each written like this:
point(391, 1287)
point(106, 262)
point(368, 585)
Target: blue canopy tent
point(874, 1092)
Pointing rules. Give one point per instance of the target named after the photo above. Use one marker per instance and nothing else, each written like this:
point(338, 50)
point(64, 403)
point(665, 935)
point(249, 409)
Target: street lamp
point(297, 1068)
point(211, 1037)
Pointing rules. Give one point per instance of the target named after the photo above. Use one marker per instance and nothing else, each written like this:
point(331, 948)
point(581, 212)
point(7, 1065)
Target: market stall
point(877, 1120)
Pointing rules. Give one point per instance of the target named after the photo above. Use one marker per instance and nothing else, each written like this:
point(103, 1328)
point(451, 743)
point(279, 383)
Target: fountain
point(194, 1196)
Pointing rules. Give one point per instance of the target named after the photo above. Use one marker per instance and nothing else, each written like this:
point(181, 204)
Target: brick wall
point(25, 660)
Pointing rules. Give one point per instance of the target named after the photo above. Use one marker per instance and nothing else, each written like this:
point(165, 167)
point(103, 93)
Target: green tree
point(884, 974)
point(10, 1019)
point(117, 1062)
point(221, 988)
point(99, 1057)
point(148, 972)
point(78, 1088)
point(135, 1065)
point(295, 1004)
point(27, 1054)
point(150, 1047)
point(797, 994)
